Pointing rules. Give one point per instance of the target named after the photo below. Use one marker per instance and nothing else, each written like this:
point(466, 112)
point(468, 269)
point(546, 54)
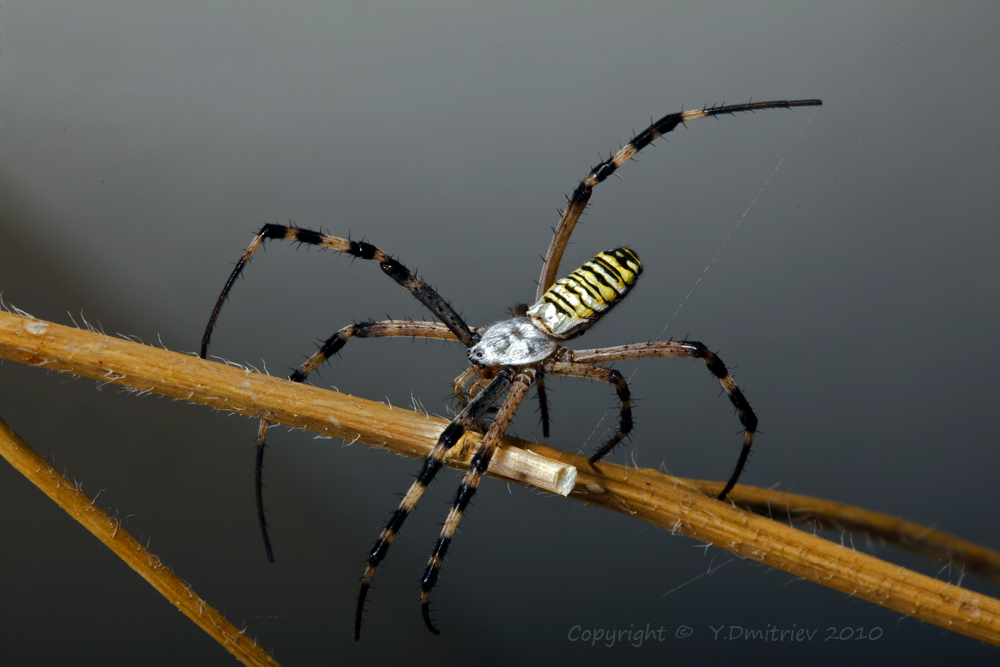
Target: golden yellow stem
point(109, 531)
point(680, 505)
point(821, 514)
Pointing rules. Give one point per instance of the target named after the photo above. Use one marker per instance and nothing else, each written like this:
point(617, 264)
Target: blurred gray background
point(143, 143)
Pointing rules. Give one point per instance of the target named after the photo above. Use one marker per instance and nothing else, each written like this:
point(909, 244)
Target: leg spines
point(308, 237)
point(388, 328)
point(432, 465)
point(668, 123)
point(360, 611)
point(613, 377)
point(719, 370)
point(378, 552)
point(396, 522)
point(270, 231)
point(430, 577)
point(388, 534)
point(466, 491)
point(744, 412)
point(740, 464)
point(427, 296)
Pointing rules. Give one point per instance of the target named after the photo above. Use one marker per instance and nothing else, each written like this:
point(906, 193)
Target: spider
point(507, 357)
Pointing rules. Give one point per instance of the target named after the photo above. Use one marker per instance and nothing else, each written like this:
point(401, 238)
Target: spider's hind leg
point(611, 376)
point(688, 349)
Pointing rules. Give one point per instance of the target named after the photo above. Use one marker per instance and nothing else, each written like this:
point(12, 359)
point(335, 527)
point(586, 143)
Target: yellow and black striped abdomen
point(575, 302)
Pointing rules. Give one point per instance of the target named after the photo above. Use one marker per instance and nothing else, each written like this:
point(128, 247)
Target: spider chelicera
point(506, 358)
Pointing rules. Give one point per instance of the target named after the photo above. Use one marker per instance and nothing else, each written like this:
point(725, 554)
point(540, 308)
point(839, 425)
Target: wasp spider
point(506, 358)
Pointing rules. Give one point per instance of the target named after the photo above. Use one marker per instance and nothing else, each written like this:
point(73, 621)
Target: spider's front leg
point(391, 267)
point(480, 462)
point(448, 439)
point(687, 349)
point(581, 195)
point(330, 347)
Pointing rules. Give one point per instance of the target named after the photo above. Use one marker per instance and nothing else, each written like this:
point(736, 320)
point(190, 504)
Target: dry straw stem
point(820, 514)
point(108, 530)
point(679, 505)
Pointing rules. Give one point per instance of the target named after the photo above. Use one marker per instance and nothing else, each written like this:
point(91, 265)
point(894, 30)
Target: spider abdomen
point(575, 302)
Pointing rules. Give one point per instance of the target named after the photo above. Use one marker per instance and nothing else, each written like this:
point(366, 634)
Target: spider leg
point(330, 347)
point(463, 397)
point(386, 328)
point(543, 404)
point(475, 386)
point(458, 386)
point(259, 488)
point(451, 435)
point(402, 275)
point(611, 376)
point(581, 195)
point(480, 462)
point(687, 349)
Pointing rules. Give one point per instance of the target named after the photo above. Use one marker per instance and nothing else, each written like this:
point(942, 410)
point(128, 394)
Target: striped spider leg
point(581, 195)
point(392, 268)
point(687, 349)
